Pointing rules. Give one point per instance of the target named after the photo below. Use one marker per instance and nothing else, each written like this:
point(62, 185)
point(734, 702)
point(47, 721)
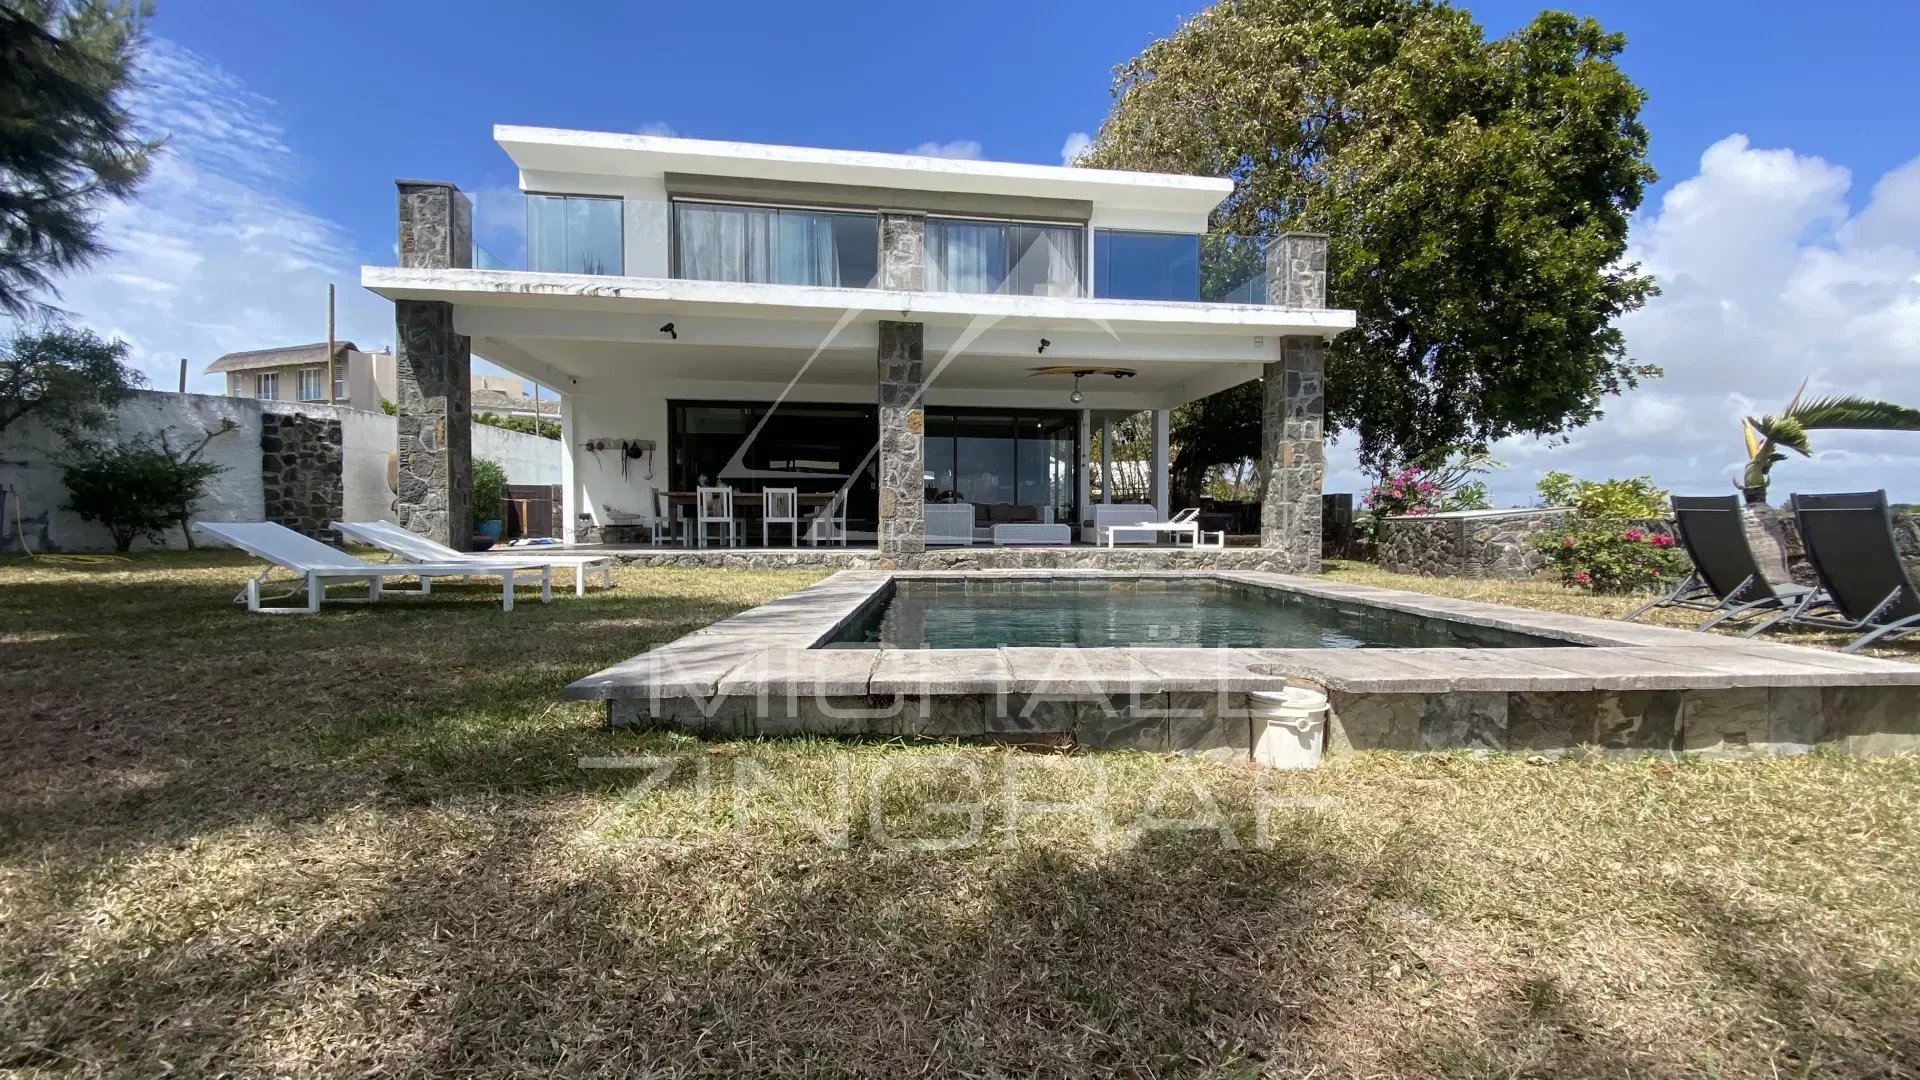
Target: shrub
point(489, 490)
point(1452, 484)
point(1600, 549)
point(525, 425)
point(138, 488)
point(1604, 500)
point(1602, 557)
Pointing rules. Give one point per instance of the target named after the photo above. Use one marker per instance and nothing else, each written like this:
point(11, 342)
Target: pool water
point(1115, 612)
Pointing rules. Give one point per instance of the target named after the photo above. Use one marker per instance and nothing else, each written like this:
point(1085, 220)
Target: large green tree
point(1476, 194)
point(67, 140)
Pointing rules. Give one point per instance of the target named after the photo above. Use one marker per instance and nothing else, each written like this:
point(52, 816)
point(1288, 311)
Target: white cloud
point(656, 127)
point(958, 148)
point(1077, 144)
point(1767, 278)
point(212, 255)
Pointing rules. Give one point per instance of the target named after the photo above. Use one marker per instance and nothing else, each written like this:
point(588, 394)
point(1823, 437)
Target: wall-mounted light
point(670, 332)
point(1076, 397)
point(1043, 345)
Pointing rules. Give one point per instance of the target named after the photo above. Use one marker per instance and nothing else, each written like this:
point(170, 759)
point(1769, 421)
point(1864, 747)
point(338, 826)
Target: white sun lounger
point(1185, 523)
point(416, 548)
point(317, 564)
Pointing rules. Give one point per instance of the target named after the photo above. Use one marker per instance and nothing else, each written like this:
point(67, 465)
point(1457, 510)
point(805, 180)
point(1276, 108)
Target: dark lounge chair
point(1726, 578)
point(1849, 541)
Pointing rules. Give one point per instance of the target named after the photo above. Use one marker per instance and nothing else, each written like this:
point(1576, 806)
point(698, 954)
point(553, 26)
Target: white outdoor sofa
point(1109, 514)
point(949, 523)
point(415, 548)
point(317, 565)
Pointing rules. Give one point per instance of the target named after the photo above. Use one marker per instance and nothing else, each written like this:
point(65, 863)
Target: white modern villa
point(892, 336)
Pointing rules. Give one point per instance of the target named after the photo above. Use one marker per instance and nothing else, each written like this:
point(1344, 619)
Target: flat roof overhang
point(557, 150)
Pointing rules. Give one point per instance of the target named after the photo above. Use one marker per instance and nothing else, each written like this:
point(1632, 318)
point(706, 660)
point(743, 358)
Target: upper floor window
point(307, 386)
point(574, 234)
point(775, 245)
point(969, 256)
point(266, 386)
point(340, 380)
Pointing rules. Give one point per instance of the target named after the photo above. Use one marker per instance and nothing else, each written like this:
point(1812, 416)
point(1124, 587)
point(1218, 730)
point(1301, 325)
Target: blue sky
point(291, 121)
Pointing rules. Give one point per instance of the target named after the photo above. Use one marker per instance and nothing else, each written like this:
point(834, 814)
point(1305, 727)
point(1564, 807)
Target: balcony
point(714, 241)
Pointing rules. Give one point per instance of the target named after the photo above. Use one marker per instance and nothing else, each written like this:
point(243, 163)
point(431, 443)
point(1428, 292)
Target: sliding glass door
point(969, 256)
point(775, 246)
point(1003, 459)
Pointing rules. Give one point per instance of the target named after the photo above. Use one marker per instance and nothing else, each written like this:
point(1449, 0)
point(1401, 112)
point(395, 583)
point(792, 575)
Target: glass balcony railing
point(1217, 268)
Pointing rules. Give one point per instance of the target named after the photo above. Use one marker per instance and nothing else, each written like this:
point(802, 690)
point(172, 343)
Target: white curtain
point(744, 243)
point(989, 257)
point(966, 257)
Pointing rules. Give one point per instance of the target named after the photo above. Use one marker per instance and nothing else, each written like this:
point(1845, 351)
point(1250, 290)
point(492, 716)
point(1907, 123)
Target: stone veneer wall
point(1292, 422)
point(1475, 544)
point(971, 558)
point(903, 239)
point(301, 463)
point(1736, 722)
point(432, 364)
point(903, 485)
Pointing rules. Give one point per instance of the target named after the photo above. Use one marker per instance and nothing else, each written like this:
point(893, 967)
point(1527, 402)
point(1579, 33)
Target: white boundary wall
point(30, 458)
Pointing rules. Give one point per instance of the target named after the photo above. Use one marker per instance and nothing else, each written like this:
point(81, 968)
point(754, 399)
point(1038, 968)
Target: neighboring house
point(901, 328)
point(300, 373)
point(505, 395)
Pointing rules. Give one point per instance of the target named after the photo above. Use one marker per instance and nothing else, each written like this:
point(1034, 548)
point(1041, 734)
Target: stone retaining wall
point(301, 459)
point(1470, 544)
point(971, 558)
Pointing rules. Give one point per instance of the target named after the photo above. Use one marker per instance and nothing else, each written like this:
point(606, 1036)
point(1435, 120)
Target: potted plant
point(489, 501)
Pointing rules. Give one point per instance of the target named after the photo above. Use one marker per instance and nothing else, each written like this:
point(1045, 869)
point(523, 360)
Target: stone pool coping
point(770, 651)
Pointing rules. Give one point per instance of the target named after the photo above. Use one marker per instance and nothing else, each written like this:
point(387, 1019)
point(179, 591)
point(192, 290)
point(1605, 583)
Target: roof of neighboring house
point(484, 400)
point(284, 356)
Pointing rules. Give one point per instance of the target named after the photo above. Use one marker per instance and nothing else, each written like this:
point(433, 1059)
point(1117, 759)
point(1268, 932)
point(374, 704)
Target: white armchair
point(949, 523)
point(1105, 514)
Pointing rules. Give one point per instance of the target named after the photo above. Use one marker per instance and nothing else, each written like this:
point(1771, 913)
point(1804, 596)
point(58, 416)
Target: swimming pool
point(1153, 612)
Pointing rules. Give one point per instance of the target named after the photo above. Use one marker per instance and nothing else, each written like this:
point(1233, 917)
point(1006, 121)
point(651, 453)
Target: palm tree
point(1768, 435)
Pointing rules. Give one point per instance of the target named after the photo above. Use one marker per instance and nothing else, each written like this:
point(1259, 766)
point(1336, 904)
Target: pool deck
point(1614, 686)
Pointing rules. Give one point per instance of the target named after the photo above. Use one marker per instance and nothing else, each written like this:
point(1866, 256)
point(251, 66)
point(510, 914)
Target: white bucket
point(1289, 727)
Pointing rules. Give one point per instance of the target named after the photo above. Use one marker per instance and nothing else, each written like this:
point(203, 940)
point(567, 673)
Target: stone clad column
point(432, 363)
point(1292, 423)
point(903, 260)
point(903, 492)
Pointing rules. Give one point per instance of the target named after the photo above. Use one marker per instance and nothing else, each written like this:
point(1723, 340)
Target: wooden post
point(327, 371)
point(183, 374)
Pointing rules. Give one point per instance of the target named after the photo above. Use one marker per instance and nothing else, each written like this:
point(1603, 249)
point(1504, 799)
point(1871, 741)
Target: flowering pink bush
point(1605, 558)
point(1409, 491)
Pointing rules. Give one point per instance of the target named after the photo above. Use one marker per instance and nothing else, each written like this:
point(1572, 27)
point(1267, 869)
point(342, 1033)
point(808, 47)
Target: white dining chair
point(829, 524)
point(714, 506)
point(665, 528)
point(780, 506)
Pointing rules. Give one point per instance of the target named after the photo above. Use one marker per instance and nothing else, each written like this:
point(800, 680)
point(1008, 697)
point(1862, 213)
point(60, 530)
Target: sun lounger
point(318, 564)
point(1849, 541)
point(1726, 579)
point(415, 548)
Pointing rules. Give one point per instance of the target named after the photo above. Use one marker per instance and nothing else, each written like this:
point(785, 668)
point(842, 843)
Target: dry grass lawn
point(362, 844)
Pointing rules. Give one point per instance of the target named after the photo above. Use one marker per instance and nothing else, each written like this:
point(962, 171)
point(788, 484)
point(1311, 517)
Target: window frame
point(673, 229)
point(620, 220)
point(300, 380)
point(262, 380)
